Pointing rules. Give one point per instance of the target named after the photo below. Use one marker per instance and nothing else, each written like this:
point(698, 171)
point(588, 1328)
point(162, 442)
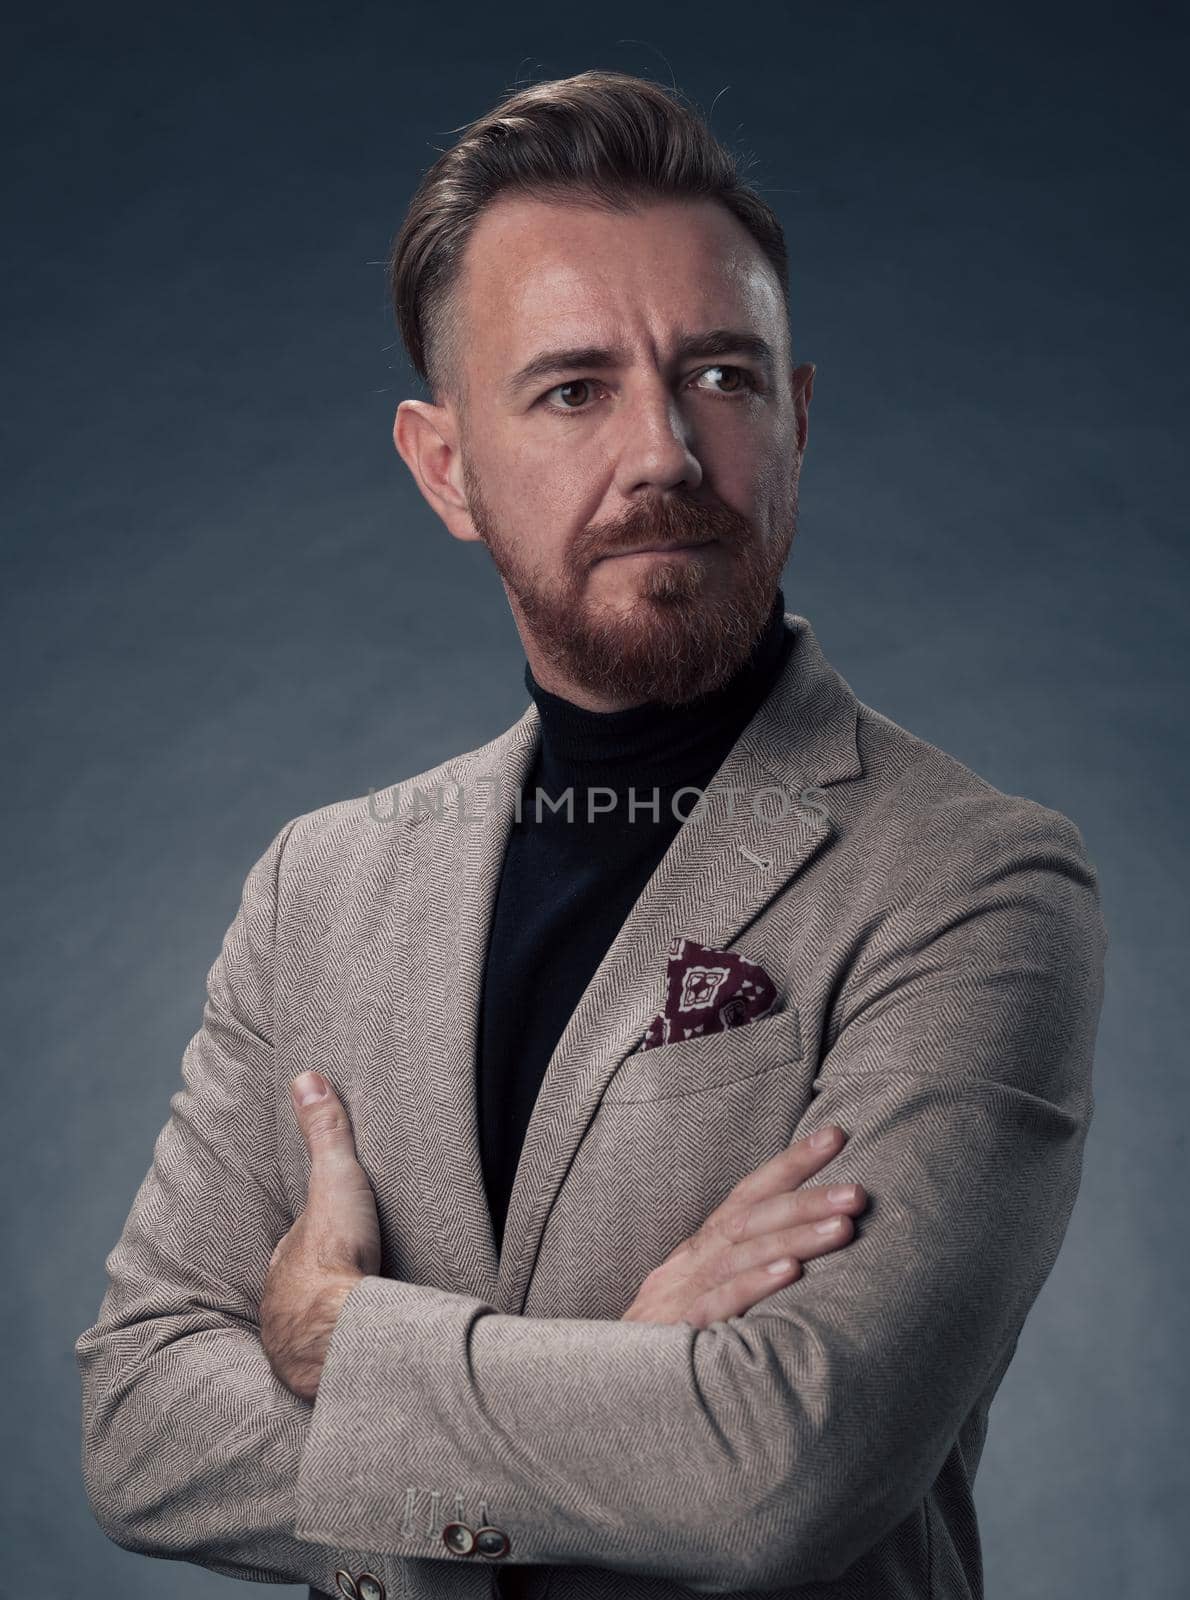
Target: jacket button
point(457, 1536)
point(345, 1584)
point(492, 1542)
point(369, 1587)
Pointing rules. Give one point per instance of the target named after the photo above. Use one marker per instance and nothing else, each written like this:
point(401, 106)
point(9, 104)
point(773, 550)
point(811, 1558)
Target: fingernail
point(310, 1086)
point(828, 1226)
point(780, 1266)
point(822, 1138)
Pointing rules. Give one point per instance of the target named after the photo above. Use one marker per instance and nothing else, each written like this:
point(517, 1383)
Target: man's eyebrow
point(713, 343)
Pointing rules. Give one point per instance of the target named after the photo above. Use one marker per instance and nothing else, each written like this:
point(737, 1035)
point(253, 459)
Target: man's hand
point(727, 1266)
point(333, 1244)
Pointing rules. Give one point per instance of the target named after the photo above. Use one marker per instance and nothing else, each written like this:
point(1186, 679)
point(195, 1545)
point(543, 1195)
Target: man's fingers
point(322, 1119)
point(788, 1169)
point(340, 1230)
point(741, 1293)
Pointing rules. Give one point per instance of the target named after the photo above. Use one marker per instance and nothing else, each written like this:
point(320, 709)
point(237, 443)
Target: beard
point(683, 634)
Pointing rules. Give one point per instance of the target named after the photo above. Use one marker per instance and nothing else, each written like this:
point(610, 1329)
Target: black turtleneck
point(569, 879)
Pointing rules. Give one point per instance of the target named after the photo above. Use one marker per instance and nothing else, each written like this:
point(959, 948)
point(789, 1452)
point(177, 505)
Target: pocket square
point(706, 991)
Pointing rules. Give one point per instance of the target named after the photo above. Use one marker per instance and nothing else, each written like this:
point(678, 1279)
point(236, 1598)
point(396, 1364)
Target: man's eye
point(745, 380)
point(573, 383)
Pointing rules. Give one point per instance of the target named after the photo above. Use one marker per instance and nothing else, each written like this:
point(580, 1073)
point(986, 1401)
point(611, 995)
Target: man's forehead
point(543, 276)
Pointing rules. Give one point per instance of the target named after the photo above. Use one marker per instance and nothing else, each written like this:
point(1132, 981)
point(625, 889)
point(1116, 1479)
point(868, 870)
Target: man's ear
point(426, 437)
point(801, 384)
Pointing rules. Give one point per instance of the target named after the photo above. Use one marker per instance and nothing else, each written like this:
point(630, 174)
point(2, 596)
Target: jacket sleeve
point(190, 1445)
point(773, 1449)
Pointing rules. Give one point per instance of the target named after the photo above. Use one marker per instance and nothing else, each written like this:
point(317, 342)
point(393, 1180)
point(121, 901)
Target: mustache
point(663, 522)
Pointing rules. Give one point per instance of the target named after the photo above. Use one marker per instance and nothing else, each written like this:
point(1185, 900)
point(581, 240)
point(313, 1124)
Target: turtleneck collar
point(664, 743)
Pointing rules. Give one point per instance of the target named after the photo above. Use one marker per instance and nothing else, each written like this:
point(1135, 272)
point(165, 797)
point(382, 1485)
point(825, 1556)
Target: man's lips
point(660, 549)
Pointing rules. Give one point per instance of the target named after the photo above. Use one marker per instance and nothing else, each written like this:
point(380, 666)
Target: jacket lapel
point(449, 876)
point(750, 835)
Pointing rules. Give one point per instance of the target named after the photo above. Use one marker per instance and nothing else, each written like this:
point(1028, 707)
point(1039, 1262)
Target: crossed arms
point(762, 1452)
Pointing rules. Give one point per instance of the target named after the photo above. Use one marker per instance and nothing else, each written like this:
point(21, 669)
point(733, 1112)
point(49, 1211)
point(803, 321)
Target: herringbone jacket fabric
point(939, 950)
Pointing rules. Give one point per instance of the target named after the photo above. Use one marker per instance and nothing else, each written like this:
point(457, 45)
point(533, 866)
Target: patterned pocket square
point(706, 991)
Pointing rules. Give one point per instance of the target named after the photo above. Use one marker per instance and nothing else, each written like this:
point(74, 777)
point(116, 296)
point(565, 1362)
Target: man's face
point(567, 471)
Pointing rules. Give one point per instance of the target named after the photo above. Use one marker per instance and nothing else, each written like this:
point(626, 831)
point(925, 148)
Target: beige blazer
point(939, 950)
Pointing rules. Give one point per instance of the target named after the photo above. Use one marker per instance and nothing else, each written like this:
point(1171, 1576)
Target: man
point(453, 1271)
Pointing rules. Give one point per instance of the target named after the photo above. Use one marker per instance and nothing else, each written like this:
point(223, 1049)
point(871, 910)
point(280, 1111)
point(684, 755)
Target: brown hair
point(605, 137)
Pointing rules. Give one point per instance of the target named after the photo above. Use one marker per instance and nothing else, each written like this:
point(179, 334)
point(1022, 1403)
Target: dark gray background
point(225, 603)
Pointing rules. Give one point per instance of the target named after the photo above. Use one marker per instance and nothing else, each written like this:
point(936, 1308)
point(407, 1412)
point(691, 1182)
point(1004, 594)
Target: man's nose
point(656, 444)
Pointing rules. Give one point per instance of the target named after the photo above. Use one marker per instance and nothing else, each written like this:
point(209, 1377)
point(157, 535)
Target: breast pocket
point(707, 1061)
